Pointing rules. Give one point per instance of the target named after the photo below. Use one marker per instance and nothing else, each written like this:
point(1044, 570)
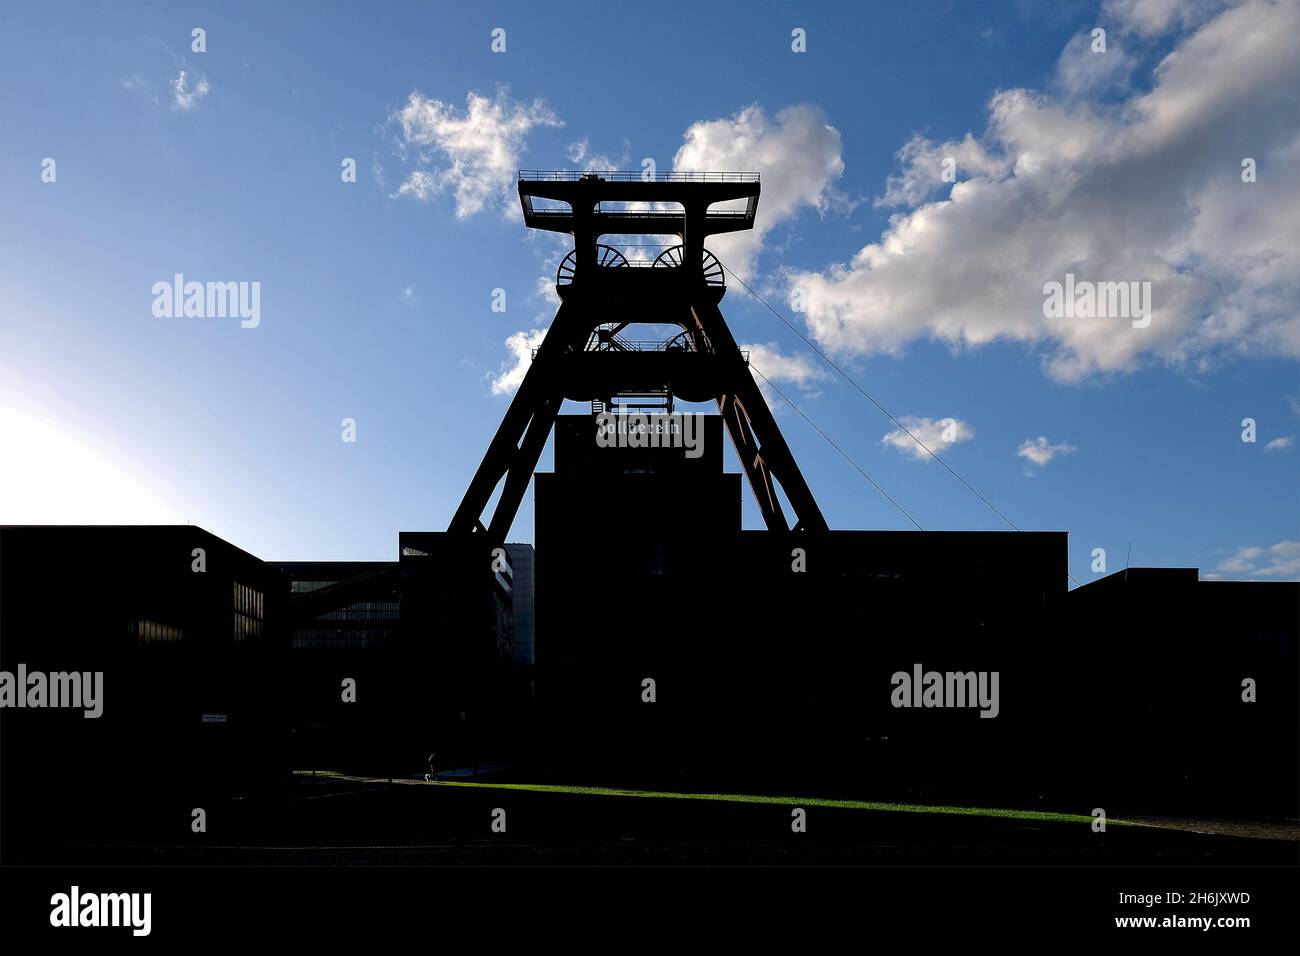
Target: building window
point(248, 612)
point(303, 587)
point(151, 632)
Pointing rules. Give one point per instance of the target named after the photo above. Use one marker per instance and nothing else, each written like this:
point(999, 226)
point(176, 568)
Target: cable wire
point(753, 368)
point(865, 394)
point(848, 378)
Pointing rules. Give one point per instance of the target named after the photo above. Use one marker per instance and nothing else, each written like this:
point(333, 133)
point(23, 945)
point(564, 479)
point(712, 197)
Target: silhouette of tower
point(586, 357)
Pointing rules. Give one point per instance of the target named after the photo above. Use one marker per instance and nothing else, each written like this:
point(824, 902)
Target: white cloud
point(544, 287)
point(1277, 444)
point(1280, 561)
point(520, 345)
point(771, 367)
point(580, 155)
point(420, 185)
point(474, 154)
point(1082, 71)
point(1143, 187)
point(1040, 451)
point(184, 98)
point(799, 370)
point(922, 163)
point(579, 151)
point(937, 434)
point(1152, 17)
point(798, 157)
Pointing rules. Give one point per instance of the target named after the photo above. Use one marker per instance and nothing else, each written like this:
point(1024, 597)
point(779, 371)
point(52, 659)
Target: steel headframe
point(589, 206)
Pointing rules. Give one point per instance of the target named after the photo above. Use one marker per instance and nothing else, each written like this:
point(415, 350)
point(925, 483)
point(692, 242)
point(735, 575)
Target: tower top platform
point(609, 202)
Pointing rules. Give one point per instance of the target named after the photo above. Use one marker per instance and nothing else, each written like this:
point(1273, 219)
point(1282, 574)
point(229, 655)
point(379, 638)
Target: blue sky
point(224, 165)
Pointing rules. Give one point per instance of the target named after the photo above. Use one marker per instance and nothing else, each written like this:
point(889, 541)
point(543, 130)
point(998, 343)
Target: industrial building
point(651, 639)
point(185, 629)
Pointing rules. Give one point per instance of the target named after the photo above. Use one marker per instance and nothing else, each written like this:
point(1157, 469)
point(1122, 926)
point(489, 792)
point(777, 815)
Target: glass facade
point(314, 637)
point(360, 624)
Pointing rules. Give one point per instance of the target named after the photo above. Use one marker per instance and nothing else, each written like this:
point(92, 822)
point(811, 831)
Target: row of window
point(248, 601)
point(151, 632)
point(317, 637)
point(303, 587)
point(246, 627)
point(365, 611)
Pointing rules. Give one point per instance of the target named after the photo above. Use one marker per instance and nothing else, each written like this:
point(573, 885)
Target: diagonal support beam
point(521, 468)
point(757, 439)
point(520, 437)
point(518, 443)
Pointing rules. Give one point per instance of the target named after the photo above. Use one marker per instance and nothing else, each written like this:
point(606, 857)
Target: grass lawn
point(992, 812)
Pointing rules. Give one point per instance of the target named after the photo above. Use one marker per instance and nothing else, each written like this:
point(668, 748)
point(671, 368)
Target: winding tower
point(589, 355)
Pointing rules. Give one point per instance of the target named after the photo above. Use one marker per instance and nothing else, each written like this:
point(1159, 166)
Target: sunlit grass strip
point(1031, 815)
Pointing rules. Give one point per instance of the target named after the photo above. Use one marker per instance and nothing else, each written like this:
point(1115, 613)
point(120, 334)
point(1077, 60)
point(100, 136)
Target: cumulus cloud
point(798, 156)
point(1279, 562)
point(473, 153)
point(1278, 444)
point(1152, 17)
point(1082, 71)
point(937, 434)
point(1146, 186)
point(922, 168)
point(799, 370)
point(1039, 451)
point(184, 98)
point(520, 345)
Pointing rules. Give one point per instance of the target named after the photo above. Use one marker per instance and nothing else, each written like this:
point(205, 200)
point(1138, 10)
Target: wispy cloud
point(1278, 444)
point(135, 83)
point(937, 434)
point(1278, 562)
point(520, 345)
point(474, 153)
point(1039, 451)
point(183, 97)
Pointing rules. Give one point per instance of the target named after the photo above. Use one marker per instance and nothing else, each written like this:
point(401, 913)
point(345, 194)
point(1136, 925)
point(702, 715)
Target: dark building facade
point(428, 644)
point(767, 649)
point(774, 656)
point(185, 629)
point(1186, 689)
point(648, 641)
